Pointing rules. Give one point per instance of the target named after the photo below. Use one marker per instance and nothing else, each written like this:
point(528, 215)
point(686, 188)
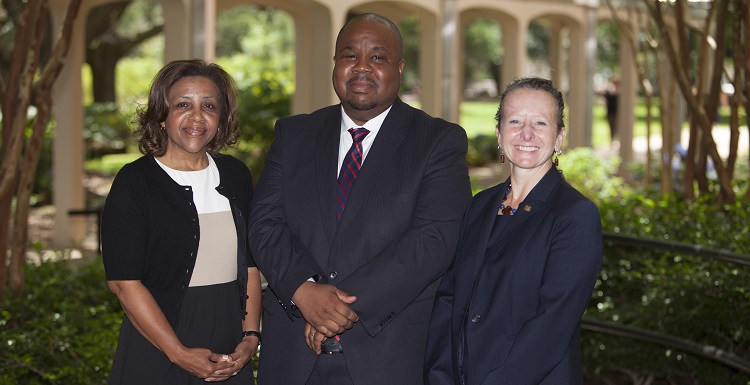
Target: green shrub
point(482, 150)
point(106, 130)
point(265, 89)
point(593, 175)
point(690, 297)
point(110, 164)
point(61, 329)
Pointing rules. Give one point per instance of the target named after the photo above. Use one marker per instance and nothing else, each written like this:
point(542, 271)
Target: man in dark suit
point(353, 228)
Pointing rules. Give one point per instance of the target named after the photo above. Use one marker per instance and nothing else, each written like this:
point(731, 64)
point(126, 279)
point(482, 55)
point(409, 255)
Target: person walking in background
point(508, 310)
point(610, 101)
point(174, 238)
point(354, 219)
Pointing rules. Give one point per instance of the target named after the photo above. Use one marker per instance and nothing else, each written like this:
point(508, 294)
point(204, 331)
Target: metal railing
point(711, 352)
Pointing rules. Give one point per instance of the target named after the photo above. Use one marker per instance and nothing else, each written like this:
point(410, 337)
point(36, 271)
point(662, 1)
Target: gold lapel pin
point(527, 208)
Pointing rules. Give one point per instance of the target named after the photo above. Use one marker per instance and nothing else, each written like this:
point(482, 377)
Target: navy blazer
point(518, 301)
point(394, 241)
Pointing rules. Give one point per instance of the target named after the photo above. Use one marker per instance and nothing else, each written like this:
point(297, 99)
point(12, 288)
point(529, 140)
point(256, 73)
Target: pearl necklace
point(507, 210)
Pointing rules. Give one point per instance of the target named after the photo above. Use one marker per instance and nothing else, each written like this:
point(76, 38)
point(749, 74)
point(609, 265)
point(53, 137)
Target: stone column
point(202, 29)
point(315, 38)
point(68, 151)
point(451, 56)
point(430, 68)
point(515, 37)
point(175, 13)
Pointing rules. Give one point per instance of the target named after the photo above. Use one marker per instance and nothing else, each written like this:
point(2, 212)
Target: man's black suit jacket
point(394, 241)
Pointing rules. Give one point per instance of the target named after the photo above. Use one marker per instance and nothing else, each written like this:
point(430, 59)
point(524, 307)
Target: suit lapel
point(486, 223)
point(533, 205)
point(326, 160)
point(390, 136)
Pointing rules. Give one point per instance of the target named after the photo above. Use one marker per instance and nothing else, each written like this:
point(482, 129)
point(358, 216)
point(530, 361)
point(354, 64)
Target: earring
point(502, 155)
point(557, 160)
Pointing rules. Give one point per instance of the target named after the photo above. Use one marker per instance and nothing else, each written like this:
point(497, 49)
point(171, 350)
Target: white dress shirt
point(345, 138)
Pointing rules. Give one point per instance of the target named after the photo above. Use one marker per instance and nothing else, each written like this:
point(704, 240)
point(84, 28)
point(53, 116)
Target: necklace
point(506, 210)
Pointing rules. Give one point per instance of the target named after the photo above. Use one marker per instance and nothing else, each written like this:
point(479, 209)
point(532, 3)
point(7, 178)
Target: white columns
point(515, 37)
point(68, 151)
point(451, 77)
point(581, 64)
point(430, 70)
point(202, 29)
point(315, 34)
point(176, 27)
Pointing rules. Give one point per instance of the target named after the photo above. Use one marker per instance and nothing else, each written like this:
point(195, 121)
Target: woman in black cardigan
point(174, 238)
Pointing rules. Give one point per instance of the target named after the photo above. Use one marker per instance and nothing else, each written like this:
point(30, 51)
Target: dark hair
point(377, 18)
point(534, 83)
point(152, 140)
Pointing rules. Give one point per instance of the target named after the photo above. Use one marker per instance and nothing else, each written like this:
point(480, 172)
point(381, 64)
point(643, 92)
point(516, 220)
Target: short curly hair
point(152, 140)
point(535, 83)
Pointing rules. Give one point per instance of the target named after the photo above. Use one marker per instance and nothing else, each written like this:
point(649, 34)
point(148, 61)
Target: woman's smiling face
point(194, 114)
point(527, 132)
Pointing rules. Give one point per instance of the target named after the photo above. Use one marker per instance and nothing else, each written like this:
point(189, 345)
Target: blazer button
point(332, 274)
point(475, 318)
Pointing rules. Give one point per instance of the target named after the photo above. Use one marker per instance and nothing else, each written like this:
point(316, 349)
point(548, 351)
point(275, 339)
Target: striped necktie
point(349, 169)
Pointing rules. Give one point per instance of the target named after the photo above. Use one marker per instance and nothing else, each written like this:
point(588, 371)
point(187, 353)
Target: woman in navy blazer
point(508, 310)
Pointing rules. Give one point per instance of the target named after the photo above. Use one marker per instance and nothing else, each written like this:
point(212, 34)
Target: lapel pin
point(527, 208)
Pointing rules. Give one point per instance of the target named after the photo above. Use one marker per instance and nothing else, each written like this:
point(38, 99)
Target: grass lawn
point(478, 118)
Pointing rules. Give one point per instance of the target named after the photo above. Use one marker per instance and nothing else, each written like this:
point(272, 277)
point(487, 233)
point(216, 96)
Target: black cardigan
point(150, 229)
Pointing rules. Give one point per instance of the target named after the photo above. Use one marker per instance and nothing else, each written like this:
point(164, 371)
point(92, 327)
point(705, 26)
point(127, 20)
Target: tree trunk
point(688, 190)
point(744, 15)
point(105, 47)
point(669, 122)
point(4, 237)
point(23, 194)
point(17, 98)
point(103, 64)
point(701, 99)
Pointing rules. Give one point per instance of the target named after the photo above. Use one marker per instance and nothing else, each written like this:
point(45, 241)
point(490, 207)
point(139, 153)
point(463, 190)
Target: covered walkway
point(189, 31)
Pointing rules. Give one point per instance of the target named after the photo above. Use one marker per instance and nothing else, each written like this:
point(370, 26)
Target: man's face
point(367, 69)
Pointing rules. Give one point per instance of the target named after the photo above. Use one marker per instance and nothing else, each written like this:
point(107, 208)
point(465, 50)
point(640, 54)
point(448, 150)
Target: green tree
point(409, 27)
point(27, 85)
point(694, 41)
point(607, 48)
point(539, 41)
point(263, 69)
point(483, 46)
point(113, 31)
